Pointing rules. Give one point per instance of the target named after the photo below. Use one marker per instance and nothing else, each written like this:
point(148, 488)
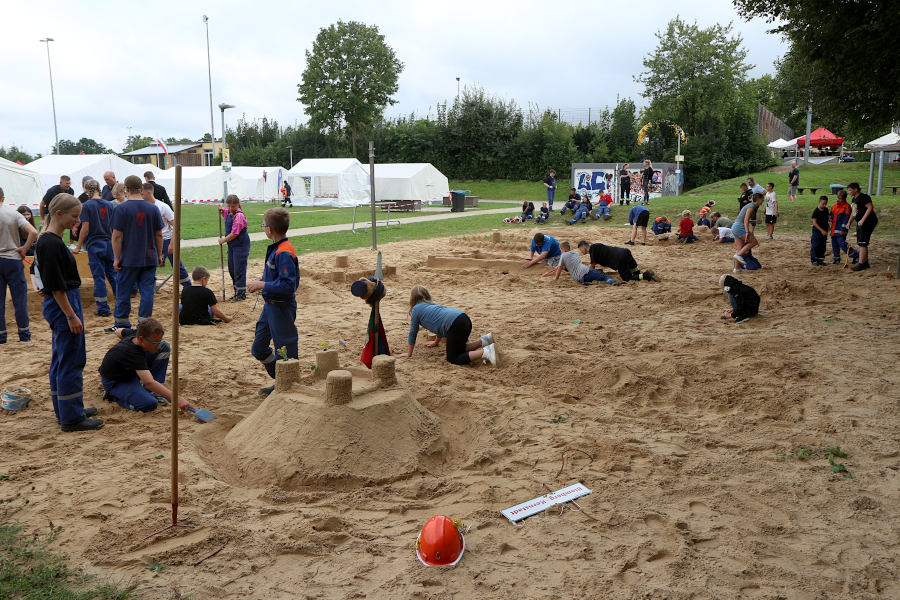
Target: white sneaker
point(491, 355)
point(740, 259)
point(487, 339)
point(735, 270)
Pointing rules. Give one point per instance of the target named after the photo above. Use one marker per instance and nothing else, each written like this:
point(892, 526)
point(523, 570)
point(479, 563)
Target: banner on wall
point(594, 179)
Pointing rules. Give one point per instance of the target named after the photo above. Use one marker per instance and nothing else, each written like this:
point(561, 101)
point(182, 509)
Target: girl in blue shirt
point(450, 323)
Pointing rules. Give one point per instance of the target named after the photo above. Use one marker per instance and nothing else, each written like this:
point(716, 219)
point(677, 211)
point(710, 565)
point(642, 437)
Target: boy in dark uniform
point(819, 233)
point(619, 259)
point(198, 303)
point(281, 277)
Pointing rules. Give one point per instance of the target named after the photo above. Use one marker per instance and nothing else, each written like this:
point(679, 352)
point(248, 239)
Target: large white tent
point(20, 185)
point(259, 183)
point(76, 166)
point(329, 182)
point(885, 148)
point(201, 184)
point(888, 143)
point(410, 181)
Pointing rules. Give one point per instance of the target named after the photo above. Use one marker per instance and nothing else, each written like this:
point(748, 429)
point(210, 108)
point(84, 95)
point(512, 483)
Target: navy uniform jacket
point(281, 273)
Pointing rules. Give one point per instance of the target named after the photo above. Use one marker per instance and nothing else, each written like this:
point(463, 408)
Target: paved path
point(261, 235)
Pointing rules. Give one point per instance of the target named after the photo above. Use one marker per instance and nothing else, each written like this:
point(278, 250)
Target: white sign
point(533, 507)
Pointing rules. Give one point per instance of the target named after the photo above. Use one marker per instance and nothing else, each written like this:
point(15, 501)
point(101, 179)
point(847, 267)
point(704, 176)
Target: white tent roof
point(329, 182)
point(76, 166)
point(889, 139)
point(410, 181)
point(20, 185)
point(782, 143)
point(260, 183)
point(201, 184)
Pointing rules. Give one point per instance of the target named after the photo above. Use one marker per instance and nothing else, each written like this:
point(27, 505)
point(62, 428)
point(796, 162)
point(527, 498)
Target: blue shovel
point(202, 414)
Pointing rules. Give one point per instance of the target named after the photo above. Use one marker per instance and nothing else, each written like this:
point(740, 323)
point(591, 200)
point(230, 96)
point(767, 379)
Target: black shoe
point(108, 397)
point(102, 313)
point(238, 298)
point(112, 329)
point(83, 425)
point(860, 267)
point(629, 243)
point(90, 411)
point(742, 320)
point(265, 391)
point(649, 276)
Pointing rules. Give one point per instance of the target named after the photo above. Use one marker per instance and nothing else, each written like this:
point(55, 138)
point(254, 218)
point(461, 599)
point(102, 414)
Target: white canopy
point(76, 166)
point(259, 183)
point(20, 185)
point(329, 182)
point(410, 181)
point(782, 143)
point(887, 142)
point(201, 184)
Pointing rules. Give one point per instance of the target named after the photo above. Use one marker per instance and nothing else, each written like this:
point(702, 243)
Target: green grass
point(29, 570)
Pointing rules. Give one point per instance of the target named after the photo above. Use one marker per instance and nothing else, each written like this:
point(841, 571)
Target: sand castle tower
point(349, 427)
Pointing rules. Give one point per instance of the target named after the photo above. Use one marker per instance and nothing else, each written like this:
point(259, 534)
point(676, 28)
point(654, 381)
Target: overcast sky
point(143, 65)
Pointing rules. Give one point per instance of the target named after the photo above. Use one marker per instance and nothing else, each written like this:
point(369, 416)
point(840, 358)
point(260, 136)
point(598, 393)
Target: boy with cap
point(137, 249)
point(279, 283)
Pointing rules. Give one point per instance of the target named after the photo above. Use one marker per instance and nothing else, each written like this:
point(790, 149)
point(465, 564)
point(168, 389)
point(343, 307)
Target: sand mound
point(294, 439)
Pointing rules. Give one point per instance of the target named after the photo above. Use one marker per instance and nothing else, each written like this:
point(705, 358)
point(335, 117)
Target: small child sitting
point(527, 210)
point(743, 298)
point(543, 215)
point(661, 225)
point(584, 209)
point(603, 204)
point(198, 302)
point(704, 217)
point(686, 229)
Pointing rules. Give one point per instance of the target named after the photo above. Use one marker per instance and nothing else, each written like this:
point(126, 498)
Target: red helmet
point(440, 544)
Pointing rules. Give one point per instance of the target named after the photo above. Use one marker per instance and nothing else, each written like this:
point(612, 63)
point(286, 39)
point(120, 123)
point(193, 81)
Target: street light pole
point(212, 130)
point(52, 96)
point(291, 159)
point(223, 107)
point(457, 88)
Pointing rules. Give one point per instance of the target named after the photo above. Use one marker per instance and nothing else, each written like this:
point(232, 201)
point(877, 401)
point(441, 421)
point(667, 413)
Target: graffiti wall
point(594, 179)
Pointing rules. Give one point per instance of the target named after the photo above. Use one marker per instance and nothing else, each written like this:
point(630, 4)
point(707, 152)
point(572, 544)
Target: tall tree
point(84, 145)
point(351, 75)
point(840, 54)
point(13, 153)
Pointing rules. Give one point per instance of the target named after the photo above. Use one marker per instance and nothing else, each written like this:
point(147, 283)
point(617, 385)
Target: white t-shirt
point(11, 223)
point(770, 203)
point(167, 215)
point(725, 232)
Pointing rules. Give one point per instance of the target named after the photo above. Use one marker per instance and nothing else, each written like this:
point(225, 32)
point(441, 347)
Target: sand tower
point(348, 427)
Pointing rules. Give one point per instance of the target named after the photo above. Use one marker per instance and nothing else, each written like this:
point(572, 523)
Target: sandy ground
point(683, 425)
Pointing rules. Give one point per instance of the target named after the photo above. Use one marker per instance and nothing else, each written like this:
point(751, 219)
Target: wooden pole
point(372, 192)
point(222, 254)
point(176, 289)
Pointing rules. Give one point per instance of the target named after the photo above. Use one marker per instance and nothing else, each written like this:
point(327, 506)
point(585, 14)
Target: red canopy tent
point(820, 137)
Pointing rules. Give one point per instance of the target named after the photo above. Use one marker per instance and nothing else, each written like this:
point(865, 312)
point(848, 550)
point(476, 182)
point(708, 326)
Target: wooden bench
point(893, 188)
point(811, 189)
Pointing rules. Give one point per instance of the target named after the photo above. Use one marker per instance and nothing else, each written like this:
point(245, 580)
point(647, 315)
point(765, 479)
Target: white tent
point(887, 143)
point(259, 183)
point(410, 181)
point(329, 182)
point(76, 166)
point(201, 184)
point(20, 185)
point(778, 144)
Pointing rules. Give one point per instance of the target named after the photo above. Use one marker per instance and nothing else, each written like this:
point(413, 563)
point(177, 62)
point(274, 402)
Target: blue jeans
point(838, 245)
point(183, 276)
point(581, 213)
point(237, 269)
point(145, 279)
point(67, 359)
point(594, 275)
point(275, 324)
point(130, 394)
point(541, 218)
point(551, 193)
point(100, 261)
point(817, 246)
point(527, 216)
point(603, 209)
point(12, 274)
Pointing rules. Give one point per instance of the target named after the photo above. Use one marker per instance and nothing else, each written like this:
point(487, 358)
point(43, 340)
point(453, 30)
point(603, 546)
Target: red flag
point(376, 339)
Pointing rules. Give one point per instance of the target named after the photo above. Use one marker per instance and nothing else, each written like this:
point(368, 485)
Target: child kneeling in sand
point(686, 229)
point(743, 298)
point(571, 262)
point(450, 323)
point(198, 302)
point(133, 371)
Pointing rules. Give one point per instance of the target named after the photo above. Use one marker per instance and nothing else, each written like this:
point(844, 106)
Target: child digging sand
point(198, 302)
point(743, 298)
point(571, 262)
point(686, 229)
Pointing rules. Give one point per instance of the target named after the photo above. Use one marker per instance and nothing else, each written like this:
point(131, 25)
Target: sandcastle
point(361, 427)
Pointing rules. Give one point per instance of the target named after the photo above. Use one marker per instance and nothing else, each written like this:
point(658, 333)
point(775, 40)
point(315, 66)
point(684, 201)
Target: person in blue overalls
point(137, 243)
point(94, 235)
point(281, 277)
point(57, 275)
point(550, 184)
point(238, 241)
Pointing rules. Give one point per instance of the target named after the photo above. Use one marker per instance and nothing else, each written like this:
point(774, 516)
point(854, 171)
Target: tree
point(13, 153)
point(623, 131)
point(351, 75)
point(136, 142)
point(840, 55)
point(82, 146)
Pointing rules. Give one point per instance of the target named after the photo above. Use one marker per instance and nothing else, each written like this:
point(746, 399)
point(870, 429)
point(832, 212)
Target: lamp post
point(212, 130)
point(457, 88)
point(223, 107)
point(291, 159)
point(52, 96)
point(129, 140)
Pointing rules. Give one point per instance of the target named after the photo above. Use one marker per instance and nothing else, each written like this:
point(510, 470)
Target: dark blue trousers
point(100, 261)
point(817, 246)
point(183, 276)
point(12, 274)
point(838, 245)
point(130, 394)
point(145, 279)
point(594, 275)
point(67, 359)
point(275, 324)
point(237, 269)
